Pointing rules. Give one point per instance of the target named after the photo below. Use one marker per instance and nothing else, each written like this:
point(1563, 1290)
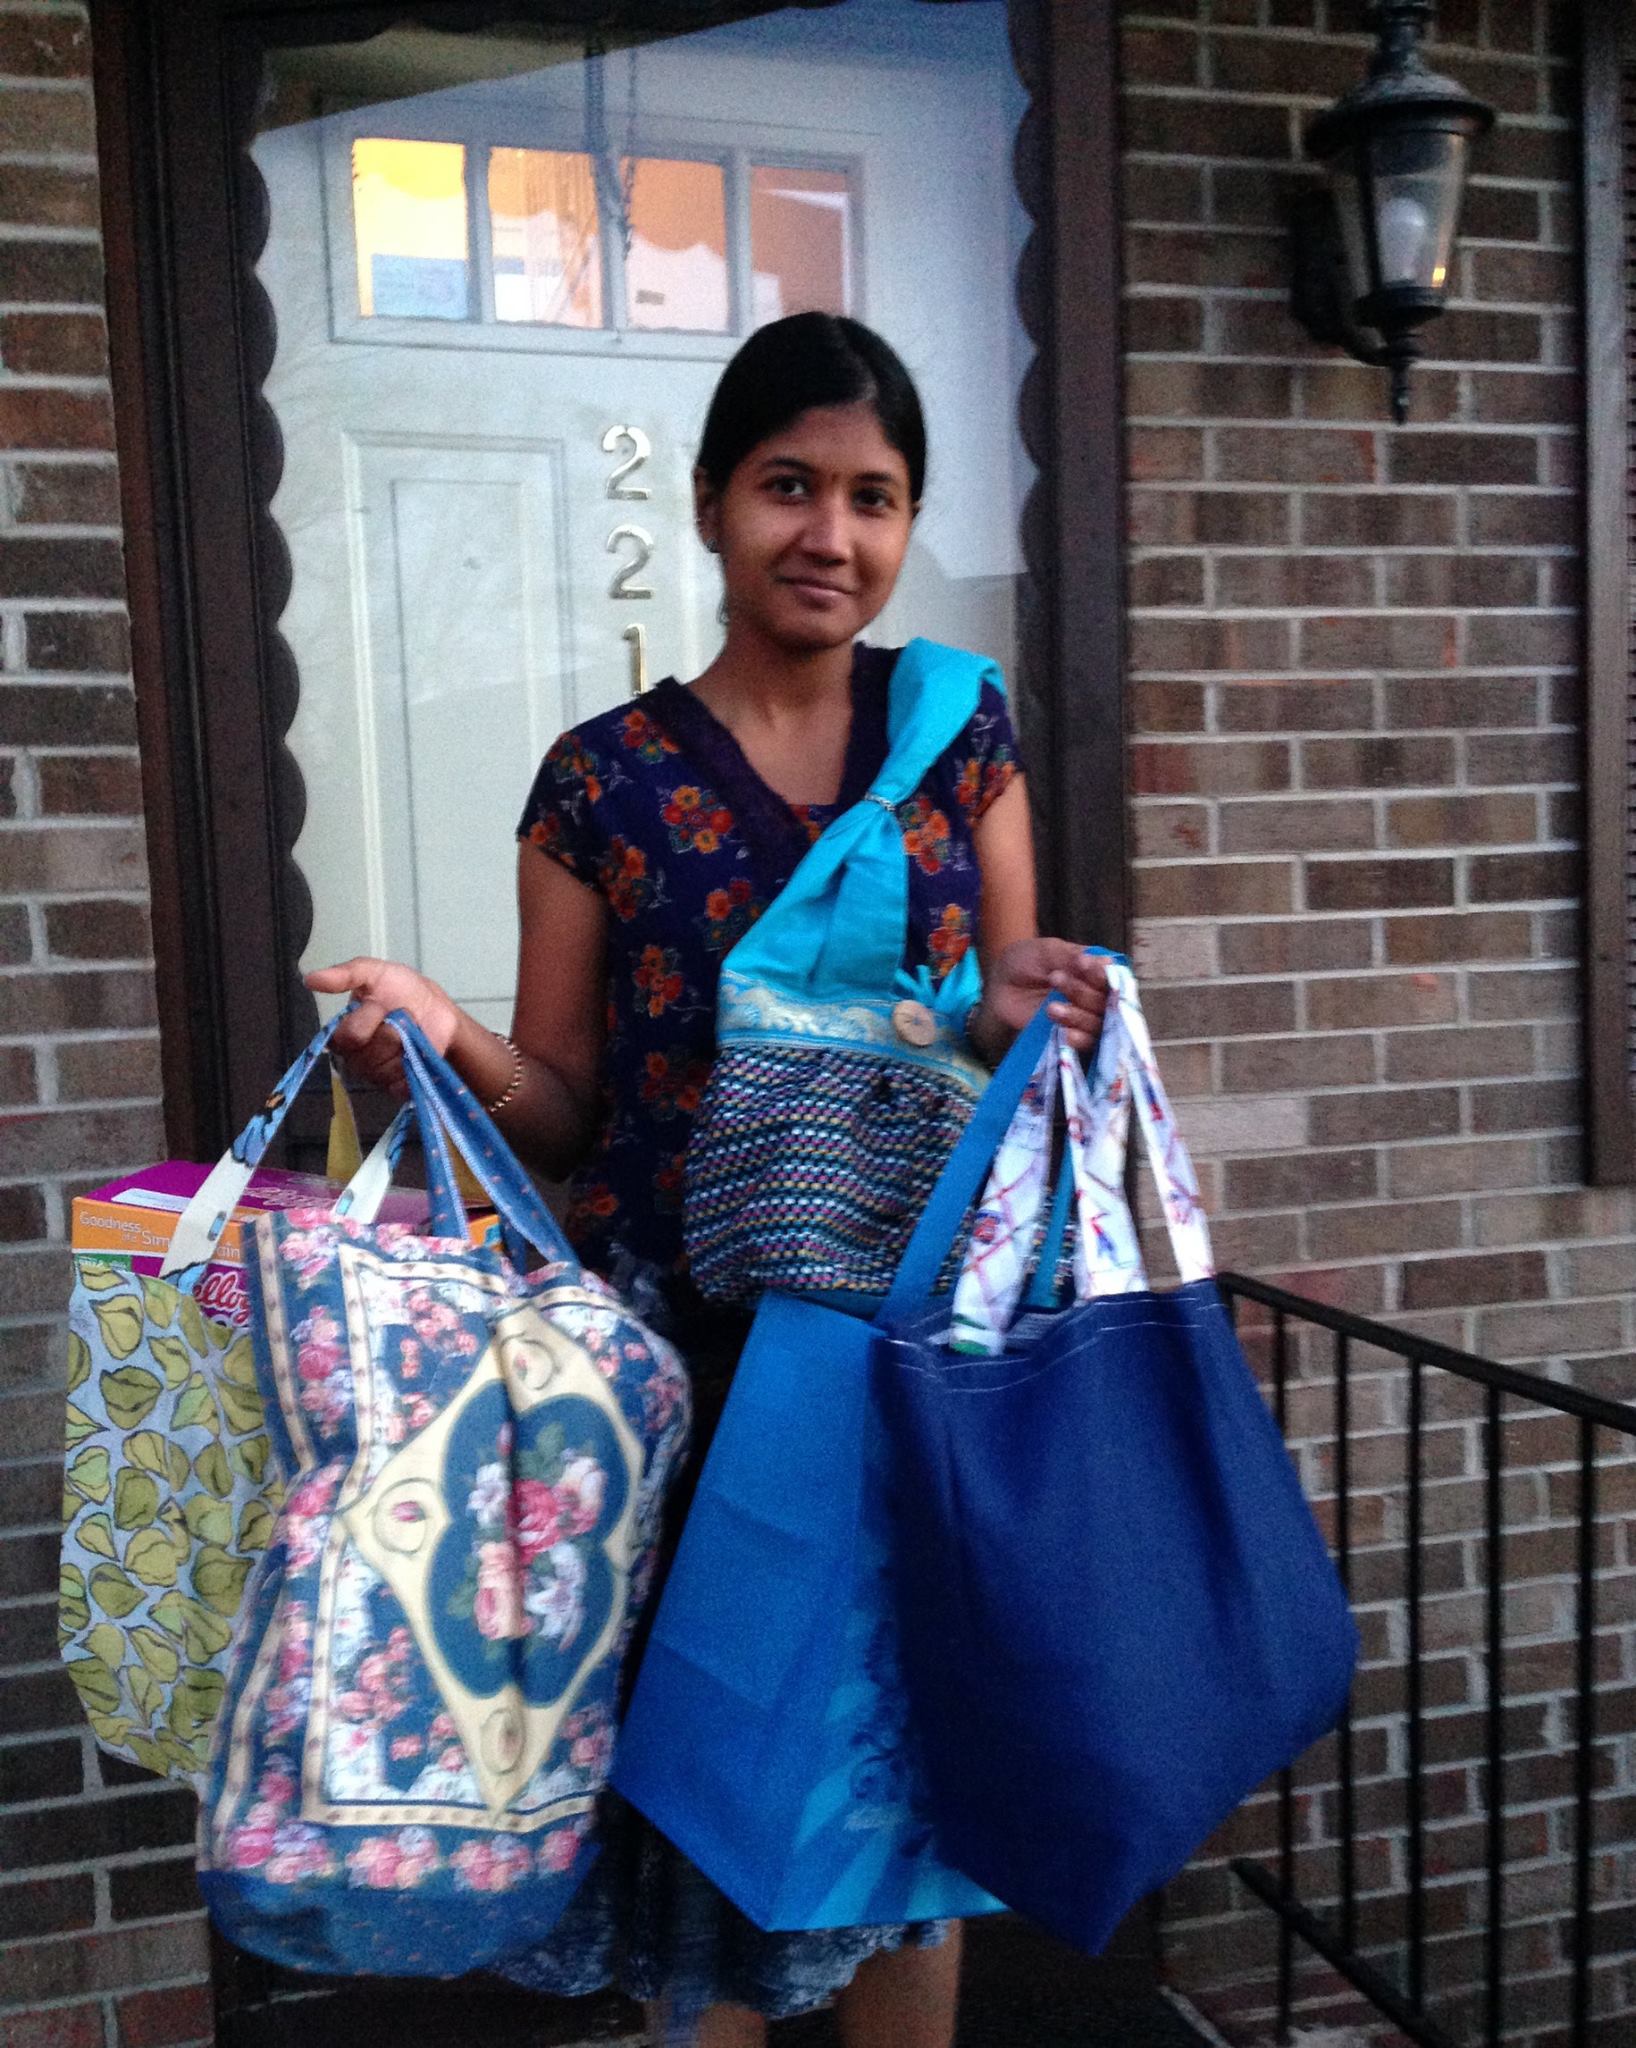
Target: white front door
point(495, 350)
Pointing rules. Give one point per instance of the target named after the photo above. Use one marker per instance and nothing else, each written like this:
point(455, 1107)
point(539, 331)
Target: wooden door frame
point(191, 338)
point(1608, 45)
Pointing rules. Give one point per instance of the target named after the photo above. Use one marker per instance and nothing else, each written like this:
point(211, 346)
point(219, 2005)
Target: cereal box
point(129, 1222)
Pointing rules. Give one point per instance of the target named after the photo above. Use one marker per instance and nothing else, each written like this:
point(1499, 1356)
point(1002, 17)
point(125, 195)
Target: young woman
point(652, 839)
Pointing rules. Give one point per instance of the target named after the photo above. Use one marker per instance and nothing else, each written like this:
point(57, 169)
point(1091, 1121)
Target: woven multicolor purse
point(841, 1080)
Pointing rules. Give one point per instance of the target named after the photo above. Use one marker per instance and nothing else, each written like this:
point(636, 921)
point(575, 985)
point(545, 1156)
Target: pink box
point(129, 1222)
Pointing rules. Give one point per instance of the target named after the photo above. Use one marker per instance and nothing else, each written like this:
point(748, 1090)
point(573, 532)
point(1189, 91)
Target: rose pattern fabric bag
point(1117, 1614)
point(420, 1707)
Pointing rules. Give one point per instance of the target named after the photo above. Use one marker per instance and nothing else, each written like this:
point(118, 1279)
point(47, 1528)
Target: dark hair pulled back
point(807, 360)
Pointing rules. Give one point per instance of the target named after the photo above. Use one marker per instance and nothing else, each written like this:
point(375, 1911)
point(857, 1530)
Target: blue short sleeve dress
point(656, 808)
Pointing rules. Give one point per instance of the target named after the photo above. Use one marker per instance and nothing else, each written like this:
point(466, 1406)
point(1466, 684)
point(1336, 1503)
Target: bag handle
point(446, 1108)
point(199, 1227)
point(1107, 1258)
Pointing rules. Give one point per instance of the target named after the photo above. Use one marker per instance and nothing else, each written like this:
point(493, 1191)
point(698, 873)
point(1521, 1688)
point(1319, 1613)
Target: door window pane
point(800, 242)
point(676, 268)
point(409, 218)
point(547, 249)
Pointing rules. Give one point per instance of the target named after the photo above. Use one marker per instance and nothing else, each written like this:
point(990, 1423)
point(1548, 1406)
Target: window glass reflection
point(547, 246)
point(676, 268)
point(800, 242)
point(409, 219)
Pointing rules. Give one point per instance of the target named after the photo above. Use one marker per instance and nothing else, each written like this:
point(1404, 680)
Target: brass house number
point(630, 544)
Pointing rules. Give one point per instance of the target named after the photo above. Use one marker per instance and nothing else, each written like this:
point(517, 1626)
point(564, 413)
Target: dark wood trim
point(1085, 821)
point(121, 58)
point(1609, 1119)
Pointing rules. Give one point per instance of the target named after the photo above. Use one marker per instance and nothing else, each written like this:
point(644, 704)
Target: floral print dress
point(655, 806)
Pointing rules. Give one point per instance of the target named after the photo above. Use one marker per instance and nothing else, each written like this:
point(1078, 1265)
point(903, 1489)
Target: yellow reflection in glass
point(800, 242)
point(676, 266)
point(409, 217)
point(547, 250)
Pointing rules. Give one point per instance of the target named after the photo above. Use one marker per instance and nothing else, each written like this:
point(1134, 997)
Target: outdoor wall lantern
point(1372, 249)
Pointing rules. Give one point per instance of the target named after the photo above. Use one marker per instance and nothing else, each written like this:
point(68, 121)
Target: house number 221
point(632, 545)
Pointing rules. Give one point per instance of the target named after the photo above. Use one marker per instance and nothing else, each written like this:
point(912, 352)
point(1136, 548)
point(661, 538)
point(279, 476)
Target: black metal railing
point(1394, 1976)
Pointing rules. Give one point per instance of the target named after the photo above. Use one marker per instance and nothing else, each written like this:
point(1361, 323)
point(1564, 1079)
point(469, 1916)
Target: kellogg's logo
point(221, 1294)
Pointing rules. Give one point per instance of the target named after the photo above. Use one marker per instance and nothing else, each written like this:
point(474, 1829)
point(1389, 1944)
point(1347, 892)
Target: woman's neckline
point(775, 830)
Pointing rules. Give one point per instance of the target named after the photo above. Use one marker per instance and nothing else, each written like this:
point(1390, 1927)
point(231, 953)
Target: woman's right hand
point(363, 1040)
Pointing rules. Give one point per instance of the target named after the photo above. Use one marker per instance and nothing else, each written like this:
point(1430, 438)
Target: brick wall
point(100, 1938)
point(1355, 761)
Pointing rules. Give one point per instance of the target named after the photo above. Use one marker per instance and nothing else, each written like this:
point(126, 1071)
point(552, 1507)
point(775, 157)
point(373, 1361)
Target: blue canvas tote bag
point(842, 1078)
point(768, 1735)
point(1117, 1613)
point(419, 1707)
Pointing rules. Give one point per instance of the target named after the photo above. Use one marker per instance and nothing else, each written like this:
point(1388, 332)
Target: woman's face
point(811, 528)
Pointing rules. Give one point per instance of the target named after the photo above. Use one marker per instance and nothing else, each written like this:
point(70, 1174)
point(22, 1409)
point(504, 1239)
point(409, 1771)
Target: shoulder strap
point(839, 925)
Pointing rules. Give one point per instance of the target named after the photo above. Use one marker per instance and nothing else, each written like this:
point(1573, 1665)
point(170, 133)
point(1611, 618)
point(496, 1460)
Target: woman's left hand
point(1023, 976)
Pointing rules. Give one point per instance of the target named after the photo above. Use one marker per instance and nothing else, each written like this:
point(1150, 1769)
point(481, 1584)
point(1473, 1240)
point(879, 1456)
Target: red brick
point(97, 928)
point(40, 122)
point(1378, 884)
point(38, 568)
point(1379, 519)
point(1379, 640)
point(1226, 643)
point(47, 196)
point(1335, 704)
point(1293, 1064)
point(1299, 946)
point(1523, 519)
point(65, 493)
point(1380, 1229)
point(45, 271)
point(1164, 831)
point(1499, 213)
point(54, 344)
point(1474, 1282)
point(1533, 758)
point(1158, 56)
point(89, 785)
point(1436, 940)
point(1523, 877)
point(1369, 1116)
point(1435, 457)
point(1197, 389)
point(1352, 391)
point(1155, 325)
point(1165, 580)
point(1397, 763)
point(1457, 1168)
point(1461, 703)
point(61, 2026)
point(1549, 639)
point(1170, 707)
point(1205, 258)
point(1215, 889)
point(160, 2019)
point(78, 643)
point(1459, 582)
point(1293, 825)
point(1209, 767)
point(1178, 125)
point(1299, 1179)
point(1157, 191)
point(1354, 1002)
point(39, 417)
point(1304, 581)
point(1527, 1106)
point(1460, 821)
point(1296, 455)
point(1223, 1009)
point(1552, 1329)
point(1523, 992)
point(1164, 454)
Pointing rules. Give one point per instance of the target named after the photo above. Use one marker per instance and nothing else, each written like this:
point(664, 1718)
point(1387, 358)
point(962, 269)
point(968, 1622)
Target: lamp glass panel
point(1351, 200)
point(1415, 179)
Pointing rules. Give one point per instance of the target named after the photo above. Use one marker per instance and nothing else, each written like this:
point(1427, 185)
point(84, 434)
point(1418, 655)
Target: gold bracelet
point(509, 1090)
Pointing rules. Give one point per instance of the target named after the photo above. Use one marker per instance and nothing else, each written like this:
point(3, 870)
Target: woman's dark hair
point(807, 360)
